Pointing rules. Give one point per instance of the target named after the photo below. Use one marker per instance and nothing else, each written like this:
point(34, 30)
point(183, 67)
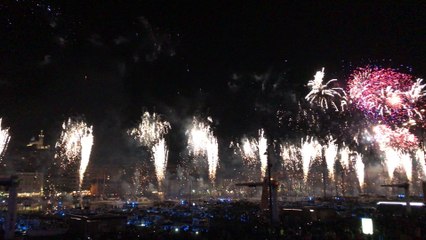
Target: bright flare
point(4, 139)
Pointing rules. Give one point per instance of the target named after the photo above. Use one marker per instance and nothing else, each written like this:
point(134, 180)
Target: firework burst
point(150, 133)
point(323, 95)
point(202, 142)
point(150, 130)
point(386, 95)
point(399, 138)
point(75, 145)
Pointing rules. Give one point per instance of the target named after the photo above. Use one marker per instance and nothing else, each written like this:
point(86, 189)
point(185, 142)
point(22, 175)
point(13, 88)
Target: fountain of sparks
point(202, 142)
point(344, 156)
point(75, 145)
point(160, 155)
point(263, 154)
point(4, 139)
point(254, 151)
point(331, 150)
point(310, 150)
point(150, 133)
point(420, 157)
point(359, 169)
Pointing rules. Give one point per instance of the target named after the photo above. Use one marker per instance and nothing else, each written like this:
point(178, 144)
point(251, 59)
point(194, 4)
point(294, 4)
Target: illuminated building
point(30, 184)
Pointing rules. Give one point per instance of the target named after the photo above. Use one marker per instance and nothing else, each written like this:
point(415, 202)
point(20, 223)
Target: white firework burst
point(323, 95)
point(150, 130)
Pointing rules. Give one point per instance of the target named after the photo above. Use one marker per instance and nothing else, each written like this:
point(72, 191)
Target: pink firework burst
point(399, 138)
point(385, 94)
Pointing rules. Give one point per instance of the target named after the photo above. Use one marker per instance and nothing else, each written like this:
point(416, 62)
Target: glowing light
point(4, 139)
point(75, 145)
point(367, 226)
point(324, 95)
point(202, 142)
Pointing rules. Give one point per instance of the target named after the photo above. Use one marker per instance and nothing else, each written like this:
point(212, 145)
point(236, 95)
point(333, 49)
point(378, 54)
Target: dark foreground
point(229, 220)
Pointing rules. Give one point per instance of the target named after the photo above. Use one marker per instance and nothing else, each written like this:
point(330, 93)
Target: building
point(30, 184)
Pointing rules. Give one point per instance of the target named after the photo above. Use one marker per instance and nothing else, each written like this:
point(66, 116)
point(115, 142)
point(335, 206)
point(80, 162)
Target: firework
point(160, 154)
point(359, 169)
point(263, 154)
point(202, 142)
point(330, 154)
point(310, 150)
point(75, 145)
point(249, 150)
point(4, 139)
point(420, 156)
point(150, 133)
point(150, 130)
point(324, 95)
point(395, 158)
point(399, 138)
point(407, 165)
point(384, 94)
point(289, 153)
point(344, 156)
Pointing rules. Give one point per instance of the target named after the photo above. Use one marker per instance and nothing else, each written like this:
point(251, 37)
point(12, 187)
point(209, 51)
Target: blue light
point(401, 195)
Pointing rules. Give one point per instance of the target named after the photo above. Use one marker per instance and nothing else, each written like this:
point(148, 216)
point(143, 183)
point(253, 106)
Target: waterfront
point(225, 218)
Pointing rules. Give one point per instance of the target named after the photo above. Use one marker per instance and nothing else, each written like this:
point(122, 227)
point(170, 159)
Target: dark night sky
point(109, 60)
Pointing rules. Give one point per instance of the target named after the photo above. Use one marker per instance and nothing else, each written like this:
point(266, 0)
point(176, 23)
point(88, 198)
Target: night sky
point(236, 61)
